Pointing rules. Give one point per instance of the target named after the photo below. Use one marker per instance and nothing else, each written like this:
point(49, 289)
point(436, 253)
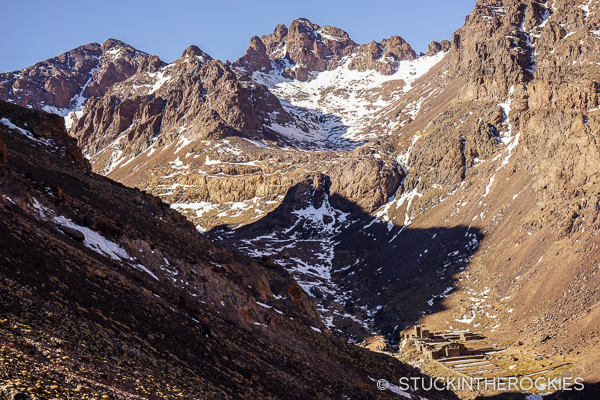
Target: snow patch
point(159, 79)
point(47, 142)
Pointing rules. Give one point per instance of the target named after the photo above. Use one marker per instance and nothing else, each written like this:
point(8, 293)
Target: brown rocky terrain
point(307, 46)
point(511, 152)
point(435, 47)
point(382, 57)
point(108, 293)
point(473, 204)
point(195, 98)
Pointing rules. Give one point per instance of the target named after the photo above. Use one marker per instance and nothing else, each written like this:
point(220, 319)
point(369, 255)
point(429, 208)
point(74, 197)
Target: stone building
point(454, 349)
point(431, 352)
point(417, 331)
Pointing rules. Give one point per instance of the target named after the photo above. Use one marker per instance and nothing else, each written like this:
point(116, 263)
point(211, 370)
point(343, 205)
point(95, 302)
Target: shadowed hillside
point(108, 293)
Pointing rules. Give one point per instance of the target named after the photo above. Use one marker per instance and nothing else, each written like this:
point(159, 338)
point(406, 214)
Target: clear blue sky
point(34, 30)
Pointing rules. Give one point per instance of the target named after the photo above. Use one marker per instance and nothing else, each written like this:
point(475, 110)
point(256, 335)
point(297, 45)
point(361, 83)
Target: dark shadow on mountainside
point(366, 274)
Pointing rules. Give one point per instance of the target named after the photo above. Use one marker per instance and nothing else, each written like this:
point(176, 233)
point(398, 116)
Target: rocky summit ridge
point(456, 189)
point(308, 48)
point(64, 83)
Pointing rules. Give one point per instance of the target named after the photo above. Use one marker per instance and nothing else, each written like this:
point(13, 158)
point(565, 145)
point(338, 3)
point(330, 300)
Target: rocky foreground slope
point(108, 293)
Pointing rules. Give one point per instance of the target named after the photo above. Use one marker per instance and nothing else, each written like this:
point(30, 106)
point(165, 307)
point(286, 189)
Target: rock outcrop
point(309, 50)
point(256, 58)
point(274, 41)
point(364, 181)
point(434, 47)
point(382, 57)
point(494, 48)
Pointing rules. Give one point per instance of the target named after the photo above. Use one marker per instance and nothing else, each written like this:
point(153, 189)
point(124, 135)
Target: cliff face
point(309, 47)
point(383, 57)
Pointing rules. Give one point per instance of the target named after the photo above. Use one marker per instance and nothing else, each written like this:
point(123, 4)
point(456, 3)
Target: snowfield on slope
point(343, 102)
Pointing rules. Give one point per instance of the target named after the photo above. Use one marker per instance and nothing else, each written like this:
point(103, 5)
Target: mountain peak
point(303, 21)
point(310, 46)
point(303, 26)
point(111, 44)
point(195, 51)
point(280, 31)
point(274, 41)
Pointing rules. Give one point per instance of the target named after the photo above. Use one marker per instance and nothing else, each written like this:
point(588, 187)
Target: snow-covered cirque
point(343, 102)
